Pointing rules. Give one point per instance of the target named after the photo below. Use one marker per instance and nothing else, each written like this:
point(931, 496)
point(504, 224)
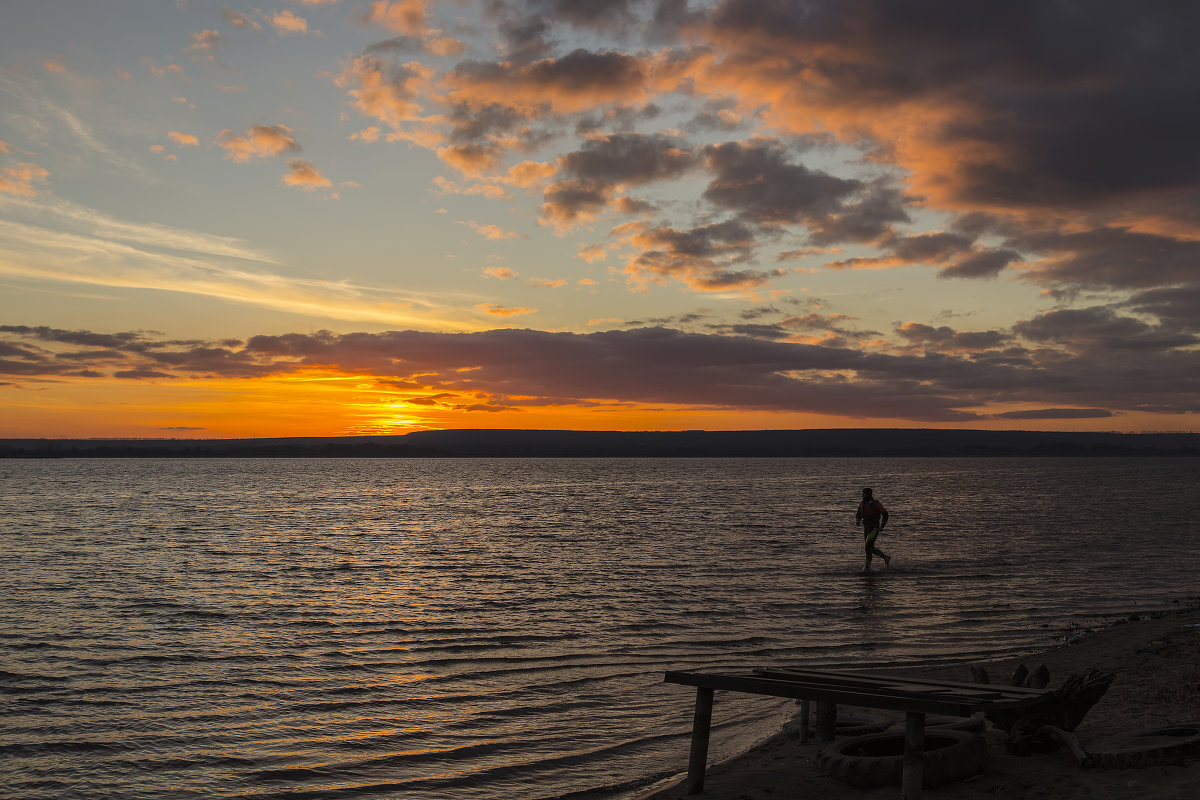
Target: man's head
point(866, 494)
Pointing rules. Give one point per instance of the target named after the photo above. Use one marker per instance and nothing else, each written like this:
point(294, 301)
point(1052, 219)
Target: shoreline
point(1156, 659)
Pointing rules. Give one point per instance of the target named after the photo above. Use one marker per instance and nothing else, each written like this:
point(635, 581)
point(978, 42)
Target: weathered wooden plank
point(894, 701)
point(880, 685)
point(1008, 690)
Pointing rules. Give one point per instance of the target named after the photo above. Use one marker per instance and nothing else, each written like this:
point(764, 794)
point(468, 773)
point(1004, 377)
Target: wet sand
point(1157, 667)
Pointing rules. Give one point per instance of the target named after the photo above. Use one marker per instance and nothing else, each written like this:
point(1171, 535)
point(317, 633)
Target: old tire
point(1173, 744)
point(877, 759)
point(853, 723)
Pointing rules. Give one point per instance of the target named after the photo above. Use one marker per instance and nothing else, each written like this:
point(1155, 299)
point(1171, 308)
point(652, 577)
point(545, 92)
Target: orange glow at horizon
point(315, 403)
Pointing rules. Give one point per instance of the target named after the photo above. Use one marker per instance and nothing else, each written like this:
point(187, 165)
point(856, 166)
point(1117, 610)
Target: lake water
point(498, 628)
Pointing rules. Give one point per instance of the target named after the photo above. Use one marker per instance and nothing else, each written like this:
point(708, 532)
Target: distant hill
point(847, 442)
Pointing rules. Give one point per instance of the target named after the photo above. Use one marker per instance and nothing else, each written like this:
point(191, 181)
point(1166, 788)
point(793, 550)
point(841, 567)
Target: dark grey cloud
point(620, 119)
point(944, 338)
point(397, 46)
point(484, 123)
point(630, 158)
point(1177, 307)
point(48, 334)
point(758, 182)
point(580, 70)
point(1101, 329)
point(142, 374)
point(1056, 413)
point(1065, 104)
point(703, 257)
point(129, 354)
point(1075, 121)
point(955, 254)
point(593, 174)
point(758, 331)
point(1110, 257)
point(754, 370)
point(526, 23)
point(567, 201)
point(981, 264)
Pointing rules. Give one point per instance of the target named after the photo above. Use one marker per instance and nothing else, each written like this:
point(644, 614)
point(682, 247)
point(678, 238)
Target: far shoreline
point(507, 443)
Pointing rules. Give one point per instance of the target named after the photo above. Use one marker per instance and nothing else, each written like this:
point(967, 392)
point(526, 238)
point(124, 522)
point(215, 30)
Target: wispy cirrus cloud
point(22, 179)
point(85, 246)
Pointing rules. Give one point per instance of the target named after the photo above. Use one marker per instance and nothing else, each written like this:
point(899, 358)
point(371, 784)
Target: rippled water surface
point(484, 628)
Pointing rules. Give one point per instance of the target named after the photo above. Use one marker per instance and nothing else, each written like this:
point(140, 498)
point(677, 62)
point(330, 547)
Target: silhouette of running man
point(873, 517)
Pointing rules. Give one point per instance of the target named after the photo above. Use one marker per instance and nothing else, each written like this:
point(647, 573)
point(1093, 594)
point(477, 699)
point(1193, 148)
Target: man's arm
point(883, 515)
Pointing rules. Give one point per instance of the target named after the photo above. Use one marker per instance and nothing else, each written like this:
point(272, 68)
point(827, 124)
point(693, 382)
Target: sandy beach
point(1157, 665)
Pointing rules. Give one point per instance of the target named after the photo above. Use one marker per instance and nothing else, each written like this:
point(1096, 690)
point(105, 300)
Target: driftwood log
point(1029, 728)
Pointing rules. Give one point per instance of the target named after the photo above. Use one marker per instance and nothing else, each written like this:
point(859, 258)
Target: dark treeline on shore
point(847, 442)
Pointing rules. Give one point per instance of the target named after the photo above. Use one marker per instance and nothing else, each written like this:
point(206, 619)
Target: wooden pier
point(915, 697)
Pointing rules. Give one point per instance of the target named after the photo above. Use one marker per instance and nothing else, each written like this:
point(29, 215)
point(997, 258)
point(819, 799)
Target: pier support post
point(914, 755)
point(701, 724)
point(826, 721)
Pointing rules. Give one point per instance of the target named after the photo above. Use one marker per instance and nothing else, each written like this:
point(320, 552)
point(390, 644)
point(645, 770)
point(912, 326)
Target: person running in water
point(873, 517)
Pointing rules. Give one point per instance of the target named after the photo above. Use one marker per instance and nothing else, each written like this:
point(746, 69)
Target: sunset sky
point(324, 217)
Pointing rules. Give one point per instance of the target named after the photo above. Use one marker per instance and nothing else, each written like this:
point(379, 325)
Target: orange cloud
point(286, 22)
point(593, 253)
point(258, 141)
point(503, 273)
point(56, 66)
point(304, 176)
point(444, 46)
point(384, 91)
point(493, 232)
point(471, 159)
point(203, 41)
point(162, 72)
point(528, 174)
point(447, 186)
point(183, 139)
point(501, 311)
point(241, 21)
point(406, 16)
point(370, 134)
point(20, 180)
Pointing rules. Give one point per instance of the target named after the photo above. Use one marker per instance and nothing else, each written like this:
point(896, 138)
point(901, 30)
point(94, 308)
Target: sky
point(328, 217)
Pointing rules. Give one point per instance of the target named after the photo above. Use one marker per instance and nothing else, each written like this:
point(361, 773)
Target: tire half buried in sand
point(877, 759)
